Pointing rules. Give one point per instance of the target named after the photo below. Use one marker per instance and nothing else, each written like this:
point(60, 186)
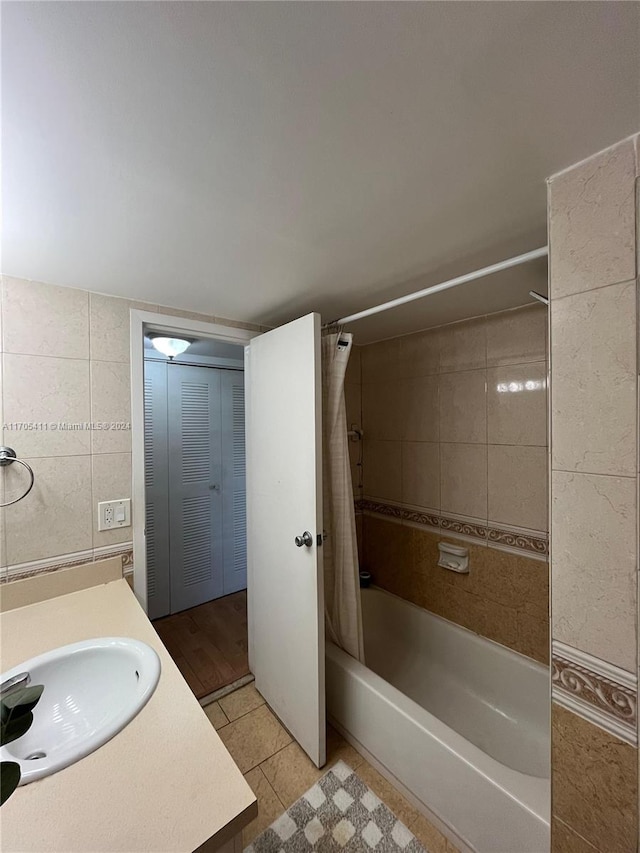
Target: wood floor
point(208, 642)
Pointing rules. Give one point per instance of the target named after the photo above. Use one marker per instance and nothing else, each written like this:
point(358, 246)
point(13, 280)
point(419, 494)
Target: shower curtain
point(343, 614)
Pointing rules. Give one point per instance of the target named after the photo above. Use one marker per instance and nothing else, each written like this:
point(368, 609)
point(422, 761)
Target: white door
point(284, 501)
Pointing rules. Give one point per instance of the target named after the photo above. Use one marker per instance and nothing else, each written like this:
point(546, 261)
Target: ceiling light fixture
point(169, 346)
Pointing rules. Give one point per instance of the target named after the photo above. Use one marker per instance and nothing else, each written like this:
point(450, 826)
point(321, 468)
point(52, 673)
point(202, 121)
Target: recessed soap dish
point(453, 557)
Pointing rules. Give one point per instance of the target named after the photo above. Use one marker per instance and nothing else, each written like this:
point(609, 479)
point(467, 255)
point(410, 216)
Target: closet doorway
point(195, 508)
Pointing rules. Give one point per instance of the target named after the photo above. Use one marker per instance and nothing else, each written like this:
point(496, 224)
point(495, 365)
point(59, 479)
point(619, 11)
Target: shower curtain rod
point(445, 285)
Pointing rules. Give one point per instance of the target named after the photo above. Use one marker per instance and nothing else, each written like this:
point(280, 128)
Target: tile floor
point(279, 772)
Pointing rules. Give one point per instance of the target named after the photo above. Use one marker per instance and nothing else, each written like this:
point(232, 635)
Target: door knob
point(305, 539)
point(214, 487)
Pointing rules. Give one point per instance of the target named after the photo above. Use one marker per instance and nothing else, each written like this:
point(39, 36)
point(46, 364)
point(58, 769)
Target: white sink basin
point(92, 690)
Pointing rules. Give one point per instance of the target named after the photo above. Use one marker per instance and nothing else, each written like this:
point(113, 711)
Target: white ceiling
point(260, 160)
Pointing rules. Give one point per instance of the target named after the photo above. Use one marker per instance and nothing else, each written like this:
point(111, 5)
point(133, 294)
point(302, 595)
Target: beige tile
point(56, 518)
point(430, 837)
point(392, 798)
point(339, 750)
point(217, 716)
point(387, 551)
point(420, 353)
point(291, 772)
point(565, 840)
point(110, 480)
point(593, 392)
point(421, 474)
point(50, 392)
point(517, 404)
point(508, 579)
point(269, 806)
point(463, 346)
point(253, 738)
point(420, 409)
point(109, 322)
point(381, 361)
point(595, 783)
point(42, 319)
point(110, 405)
point(241, 702)
point(533, 637)
point(592, 222)
point(594, 565)
point(463, 407)
point(518, 486)
point(383, 469)
point(463, 479)
point(382, 410)
point(518, 336)
point(353, 404)
point(353, 375)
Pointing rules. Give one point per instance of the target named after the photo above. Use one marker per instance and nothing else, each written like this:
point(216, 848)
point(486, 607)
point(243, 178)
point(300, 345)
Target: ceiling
point(261, 160)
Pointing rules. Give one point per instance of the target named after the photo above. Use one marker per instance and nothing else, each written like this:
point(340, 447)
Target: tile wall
point(593, 239)
point(65, 359)
point(455, 445)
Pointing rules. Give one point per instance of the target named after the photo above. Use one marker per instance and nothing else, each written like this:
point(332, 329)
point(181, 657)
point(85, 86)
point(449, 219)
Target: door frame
point(172, 325)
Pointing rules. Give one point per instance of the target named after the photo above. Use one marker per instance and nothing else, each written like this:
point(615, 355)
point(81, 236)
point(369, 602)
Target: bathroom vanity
point(165, 782)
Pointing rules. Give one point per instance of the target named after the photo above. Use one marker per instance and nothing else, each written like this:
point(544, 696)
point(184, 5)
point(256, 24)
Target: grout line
point(275, 793)
point(246, 714)
point(594, 474)
point(623, 281)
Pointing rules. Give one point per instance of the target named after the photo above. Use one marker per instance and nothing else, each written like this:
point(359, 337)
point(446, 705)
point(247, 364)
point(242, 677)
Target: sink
point(92, 690)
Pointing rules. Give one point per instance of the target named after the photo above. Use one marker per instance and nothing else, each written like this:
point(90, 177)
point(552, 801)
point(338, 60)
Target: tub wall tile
point(592, 222)
point(593, 393)
point(441, 440)
point(504, 597)
point(433, 386)
point(565, 840)
point(383, 469)
point(594, 484)
point(594, 565)
point(595, 784)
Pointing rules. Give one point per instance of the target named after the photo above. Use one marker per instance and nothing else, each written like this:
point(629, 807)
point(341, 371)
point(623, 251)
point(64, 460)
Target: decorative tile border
point(520, 541)
point(79, 558)
point(596, 690)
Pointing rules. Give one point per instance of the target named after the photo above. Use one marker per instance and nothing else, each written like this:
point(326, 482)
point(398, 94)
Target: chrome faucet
point(11, 685)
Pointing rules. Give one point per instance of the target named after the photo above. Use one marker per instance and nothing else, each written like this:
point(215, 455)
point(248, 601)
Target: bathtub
point(461, 722)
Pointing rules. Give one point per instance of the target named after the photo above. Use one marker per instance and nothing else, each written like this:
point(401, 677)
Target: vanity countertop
point(164, 783)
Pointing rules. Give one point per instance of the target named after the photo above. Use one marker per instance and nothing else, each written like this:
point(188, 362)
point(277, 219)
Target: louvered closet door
point(195, 486)
point(234, 492)
point(156, 477)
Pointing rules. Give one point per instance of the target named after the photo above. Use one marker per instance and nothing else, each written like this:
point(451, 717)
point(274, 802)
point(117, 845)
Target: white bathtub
point(460, 721)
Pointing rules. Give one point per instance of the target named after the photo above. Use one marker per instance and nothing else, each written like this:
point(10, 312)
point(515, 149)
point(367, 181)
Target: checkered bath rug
point(340, 813)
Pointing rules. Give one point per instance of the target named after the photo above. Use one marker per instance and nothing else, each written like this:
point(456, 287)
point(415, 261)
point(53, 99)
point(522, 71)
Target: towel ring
point(8, 457)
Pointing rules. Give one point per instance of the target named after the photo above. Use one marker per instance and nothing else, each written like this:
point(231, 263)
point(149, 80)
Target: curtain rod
point(445, 285)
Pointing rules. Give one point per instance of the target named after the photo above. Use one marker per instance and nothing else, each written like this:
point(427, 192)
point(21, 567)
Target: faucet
point(11, 685)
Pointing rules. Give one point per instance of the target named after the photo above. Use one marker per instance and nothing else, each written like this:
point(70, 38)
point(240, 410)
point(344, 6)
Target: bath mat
point(340, 813)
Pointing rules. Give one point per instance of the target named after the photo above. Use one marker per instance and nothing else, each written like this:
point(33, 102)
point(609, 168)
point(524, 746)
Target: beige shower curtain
point(343, 614)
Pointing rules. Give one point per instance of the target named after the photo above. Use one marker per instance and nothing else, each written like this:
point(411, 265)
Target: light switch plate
point(114, 514)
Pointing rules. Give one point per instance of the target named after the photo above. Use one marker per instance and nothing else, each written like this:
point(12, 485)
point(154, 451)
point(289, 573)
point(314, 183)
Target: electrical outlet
point(114, 514)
